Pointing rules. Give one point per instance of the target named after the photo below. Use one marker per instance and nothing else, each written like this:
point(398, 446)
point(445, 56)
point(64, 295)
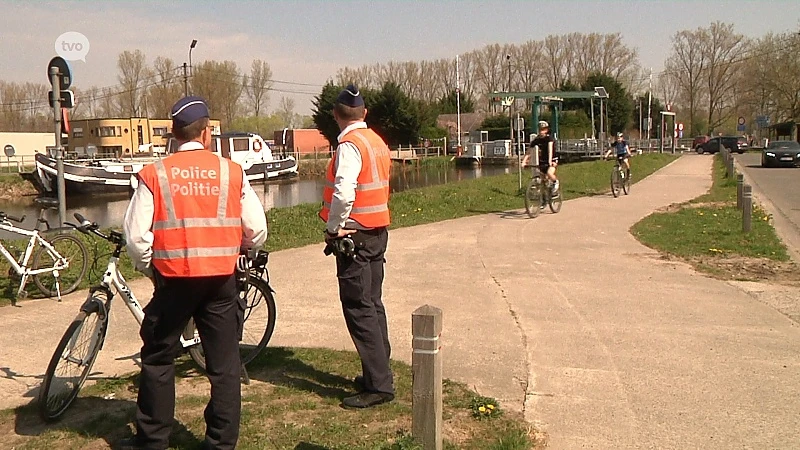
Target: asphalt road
point(781, 188)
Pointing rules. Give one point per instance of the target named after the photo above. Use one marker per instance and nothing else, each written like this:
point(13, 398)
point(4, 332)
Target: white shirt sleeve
point(347, 167)
point(254, 221)
point(137, 226)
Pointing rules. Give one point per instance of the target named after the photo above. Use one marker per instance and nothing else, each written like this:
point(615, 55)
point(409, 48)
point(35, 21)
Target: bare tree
point(686, 65)
point(557, 60)
point(258, 85)
point(720, 48)
point(286, 111)
point(221, 84)
point(166, 87)
point(132, 74)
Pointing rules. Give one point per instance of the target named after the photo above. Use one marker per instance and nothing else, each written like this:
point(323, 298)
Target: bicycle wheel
point(259, 323)
point(555, 202)
point(533, 197)
point(71, 363)
point(69, 278)
point(626, 184)
point(615, 182)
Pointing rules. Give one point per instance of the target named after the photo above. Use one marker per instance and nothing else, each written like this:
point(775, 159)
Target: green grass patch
point(293, 402)
point(98, 252)
point(711, 226)
point(300, 225)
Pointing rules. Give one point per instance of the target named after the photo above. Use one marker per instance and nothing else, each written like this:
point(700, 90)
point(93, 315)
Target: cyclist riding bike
point(623, 153)
point(547, 159)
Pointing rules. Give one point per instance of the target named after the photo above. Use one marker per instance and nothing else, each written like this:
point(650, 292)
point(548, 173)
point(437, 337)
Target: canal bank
point(108, 209)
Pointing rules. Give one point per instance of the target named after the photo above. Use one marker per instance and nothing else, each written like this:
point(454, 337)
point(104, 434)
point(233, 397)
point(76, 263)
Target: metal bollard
point(739, 190)
point(747, 207)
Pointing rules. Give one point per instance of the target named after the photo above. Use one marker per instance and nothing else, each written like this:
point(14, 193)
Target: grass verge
point(293, 402)
point(707, 233)
point(300, 225)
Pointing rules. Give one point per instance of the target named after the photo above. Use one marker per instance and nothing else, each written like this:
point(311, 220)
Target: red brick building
point(303, 141)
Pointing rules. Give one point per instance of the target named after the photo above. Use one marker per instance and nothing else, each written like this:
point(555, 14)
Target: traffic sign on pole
point(64, 72)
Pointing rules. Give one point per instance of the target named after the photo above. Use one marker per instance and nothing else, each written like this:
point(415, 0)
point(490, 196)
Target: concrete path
point(565, 317)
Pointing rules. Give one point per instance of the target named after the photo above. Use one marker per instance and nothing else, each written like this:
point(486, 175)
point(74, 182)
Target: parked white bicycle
point(55, 259)
point(82, 341)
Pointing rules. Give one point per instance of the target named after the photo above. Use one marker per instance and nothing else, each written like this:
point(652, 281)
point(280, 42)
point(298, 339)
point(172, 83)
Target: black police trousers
point(214, 304)
point(360, 291)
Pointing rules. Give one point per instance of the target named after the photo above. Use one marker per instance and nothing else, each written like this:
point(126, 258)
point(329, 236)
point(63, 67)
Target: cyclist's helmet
point(619, 135)
point(543, 124)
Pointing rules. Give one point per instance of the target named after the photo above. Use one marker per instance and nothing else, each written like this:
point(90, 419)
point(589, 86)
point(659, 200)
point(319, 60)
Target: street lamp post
point(191, 47)
point(511, 106)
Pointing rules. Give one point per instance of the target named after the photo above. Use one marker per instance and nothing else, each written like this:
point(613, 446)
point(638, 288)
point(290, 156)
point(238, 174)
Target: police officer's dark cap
point(188, 110)
point(350, 96)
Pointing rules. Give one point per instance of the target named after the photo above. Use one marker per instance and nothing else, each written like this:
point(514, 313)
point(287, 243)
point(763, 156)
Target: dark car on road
point(713, 145)
point(781, 153)
point(699, 141)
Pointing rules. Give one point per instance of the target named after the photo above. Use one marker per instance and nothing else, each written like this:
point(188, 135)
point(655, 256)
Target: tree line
point(238, 98)
point(711, 76)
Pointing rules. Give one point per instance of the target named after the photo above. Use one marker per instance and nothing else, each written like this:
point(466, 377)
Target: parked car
point(713, 145)
point(699, 141)
point(743, 143)
point(781, 153)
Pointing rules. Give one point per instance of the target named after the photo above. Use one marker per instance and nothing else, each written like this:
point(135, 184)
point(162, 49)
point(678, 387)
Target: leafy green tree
point(393, 115)
point(497, 127)
point(449, 103)
point(655, 109)
point(265, 126)
point(619, 102)
point(390, 112)
point(323, 112)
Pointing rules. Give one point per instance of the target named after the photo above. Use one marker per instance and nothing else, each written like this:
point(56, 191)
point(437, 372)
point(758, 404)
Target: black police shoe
point(367, 399)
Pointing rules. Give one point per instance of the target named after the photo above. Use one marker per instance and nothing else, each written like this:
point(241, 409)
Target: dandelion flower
point(482, 409)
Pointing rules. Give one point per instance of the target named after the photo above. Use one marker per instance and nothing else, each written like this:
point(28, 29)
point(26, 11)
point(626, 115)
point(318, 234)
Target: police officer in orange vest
point(356, 206)
point(189, 217)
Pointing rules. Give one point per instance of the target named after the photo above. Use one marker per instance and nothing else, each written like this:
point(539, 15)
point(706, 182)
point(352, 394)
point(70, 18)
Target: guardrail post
point(426, 372)
point(747, 207)
point(739, 190)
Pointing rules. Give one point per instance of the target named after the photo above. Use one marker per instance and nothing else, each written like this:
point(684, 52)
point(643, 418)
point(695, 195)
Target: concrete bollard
point(747, 207)
point(739, 190)
point(426, 369)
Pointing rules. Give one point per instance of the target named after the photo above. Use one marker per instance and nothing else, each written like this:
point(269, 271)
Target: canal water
point(108, 210)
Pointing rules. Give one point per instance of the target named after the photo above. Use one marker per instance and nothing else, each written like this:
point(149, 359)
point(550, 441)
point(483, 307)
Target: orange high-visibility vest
point(371, 207)
point(197, 220)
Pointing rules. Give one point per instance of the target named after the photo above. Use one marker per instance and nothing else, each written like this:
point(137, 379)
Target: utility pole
point(511, 106)
point(458, 106)
point(649, 102)
point(185, 81)
point(60, 185)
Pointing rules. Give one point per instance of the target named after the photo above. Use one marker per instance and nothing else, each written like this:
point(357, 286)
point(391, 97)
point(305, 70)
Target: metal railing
point(17, 164)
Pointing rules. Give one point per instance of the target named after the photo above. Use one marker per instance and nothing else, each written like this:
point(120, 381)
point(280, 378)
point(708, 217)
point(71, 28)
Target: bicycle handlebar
point(87, 227)
point(14, 218)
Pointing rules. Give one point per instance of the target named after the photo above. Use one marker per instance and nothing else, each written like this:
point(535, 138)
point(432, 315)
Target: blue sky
point(307, 41)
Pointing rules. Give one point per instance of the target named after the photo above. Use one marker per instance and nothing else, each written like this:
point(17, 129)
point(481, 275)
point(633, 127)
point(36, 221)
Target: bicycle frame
point(21, 267)
point(113, 278)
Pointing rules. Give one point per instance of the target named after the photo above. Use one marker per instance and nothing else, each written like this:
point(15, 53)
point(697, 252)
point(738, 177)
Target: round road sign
point(64, 72)
point(9, 150)
point(741, 120)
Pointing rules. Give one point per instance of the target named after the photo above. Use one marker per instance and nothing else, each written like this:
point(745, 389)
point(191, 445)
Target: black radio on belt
point(341, 247)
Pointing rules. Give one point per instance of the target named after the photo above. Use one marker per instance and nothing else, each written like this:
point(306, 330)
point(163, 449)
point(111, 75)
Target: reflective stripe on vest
point(222, 204)
point(197, 221)
point(370, 208)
